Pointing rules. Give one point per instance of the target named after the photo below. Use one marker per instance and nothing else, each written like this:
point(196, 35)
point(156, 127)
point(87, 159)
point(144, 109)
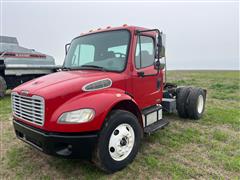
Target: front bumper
point(60, 144)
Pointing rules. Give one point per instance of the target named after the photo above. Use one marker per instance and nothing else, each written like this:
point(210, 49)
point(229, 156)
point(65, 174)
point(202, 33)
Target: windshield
point(105, 50)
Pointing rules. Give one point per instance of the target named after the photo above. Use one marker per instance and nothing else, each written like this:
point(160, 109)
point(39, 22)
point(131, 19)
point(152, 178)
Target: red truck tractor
point(110, 92)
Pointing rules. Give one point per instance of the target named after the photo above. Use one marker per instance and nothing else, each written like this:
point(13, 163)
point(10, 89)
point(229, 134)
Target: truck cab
point(109, 92)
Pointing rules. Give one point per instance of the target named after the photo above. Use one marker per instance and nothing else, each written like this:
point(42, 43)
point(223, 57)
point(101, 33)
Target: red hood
point(62, 83)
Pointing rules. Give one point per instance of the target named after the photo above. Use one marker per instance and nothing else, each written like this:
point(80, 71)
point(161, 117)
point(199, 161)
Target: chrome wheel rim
point(121, 142)
point(200, 104)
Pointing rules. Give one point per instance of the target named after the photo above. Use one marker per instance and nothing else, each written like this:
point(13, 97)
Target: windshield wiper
point(66, 68)
point(93, 67)
point(84, 67)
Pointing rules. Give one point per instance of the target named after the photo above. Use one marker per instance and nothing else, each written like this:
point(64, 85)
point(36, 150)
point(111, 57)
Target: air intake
point(97, 85)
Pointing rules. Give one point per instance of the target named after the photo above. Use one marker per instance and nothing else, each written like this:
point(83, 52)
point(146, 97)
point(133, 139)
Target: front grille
point(30, 109)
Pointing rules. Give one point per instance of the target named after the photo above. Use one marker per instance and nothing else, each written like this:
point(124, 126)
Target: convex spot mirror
point(159, 64)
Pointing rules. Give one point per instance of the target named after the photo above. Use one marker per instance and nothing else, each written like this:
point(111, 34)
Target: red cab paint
point(62, 91)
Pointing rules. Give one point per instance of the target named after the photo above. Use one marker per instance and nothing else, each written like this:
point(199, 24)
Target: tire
point(106, 155)
point(181, 101)
point(196, 103)
point(3, 86)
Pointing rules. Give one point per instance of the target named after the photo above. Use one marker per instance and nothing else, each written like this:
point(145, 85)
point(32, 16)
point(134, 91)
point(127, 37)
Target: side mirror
point(162, 52)
point(161, 44)
point(160, 61)
point(67, 48)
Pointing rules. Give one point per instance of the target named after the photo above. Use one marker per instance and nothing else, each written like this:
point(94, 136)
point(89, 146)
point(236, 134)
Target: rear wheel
point(3, 86)
point(182, 96)
point(119, 141)
point(196, 103)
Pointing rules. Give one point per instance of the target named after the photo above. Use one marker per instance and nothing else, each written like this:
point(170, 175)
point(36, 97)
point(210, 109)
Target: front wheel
point(119, 141)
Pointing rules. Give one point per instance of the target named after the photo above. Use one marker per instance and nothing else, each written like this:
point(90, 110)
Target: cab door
point(146, 82)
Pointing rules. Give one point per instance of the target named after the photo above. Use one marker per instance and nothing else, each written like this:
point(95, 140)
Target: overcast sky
point(199, 35)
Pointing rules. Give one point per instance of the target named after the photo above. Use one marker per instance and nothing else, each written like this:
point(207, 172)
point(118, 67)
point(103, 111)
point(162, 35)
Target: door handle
point(140, 73)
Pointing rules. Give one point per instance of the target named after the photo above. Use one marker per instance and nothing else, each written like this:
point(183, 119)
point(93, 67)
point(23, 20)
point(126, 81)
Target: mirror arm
point(66, 48)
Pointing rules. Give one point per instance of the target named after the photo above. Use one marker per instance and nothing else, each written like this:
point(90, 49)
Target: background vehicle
point(111, 91)
point(19, 64)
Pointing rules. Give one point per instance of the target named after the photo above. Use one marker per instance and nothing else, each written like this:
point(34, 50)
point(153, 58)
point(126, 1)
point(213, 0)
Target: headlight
point(78, 116)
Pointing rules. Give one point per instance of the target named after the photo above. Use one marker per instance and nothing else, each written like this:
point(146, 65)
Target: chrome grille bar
point(30, 109)
point(25, 110)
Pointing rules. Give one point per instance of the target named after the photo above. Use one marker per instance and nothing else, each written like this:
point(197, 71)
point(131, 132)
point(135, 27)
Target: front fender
point(101, 101)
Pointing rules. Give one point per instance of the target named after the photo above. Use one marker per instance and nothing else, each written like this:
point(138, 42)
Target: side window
point(147, 52)
point(83, 54)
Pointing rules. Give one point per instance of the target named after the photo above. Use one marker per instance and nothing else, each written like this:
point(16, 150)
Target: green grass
point(186, 149)
point(151, 161)
point(5, 108)
point(220, 136)
point(217, 115)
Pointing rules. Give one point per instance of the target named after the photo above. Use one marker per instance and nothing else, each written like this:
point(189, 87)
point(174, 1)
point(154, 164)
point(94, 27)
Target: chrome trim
point(30, 109)
point(84, 87)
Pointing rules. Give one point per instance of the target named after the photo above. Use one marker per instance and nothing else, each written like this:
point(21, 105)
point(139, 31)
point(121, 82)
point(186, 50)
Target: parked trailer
point(19, 64)
point(109, 93)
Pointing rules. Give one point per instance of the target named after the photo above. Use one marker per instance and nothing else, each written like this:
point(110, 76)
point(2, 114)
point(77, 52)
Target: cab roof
point(109, 28)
